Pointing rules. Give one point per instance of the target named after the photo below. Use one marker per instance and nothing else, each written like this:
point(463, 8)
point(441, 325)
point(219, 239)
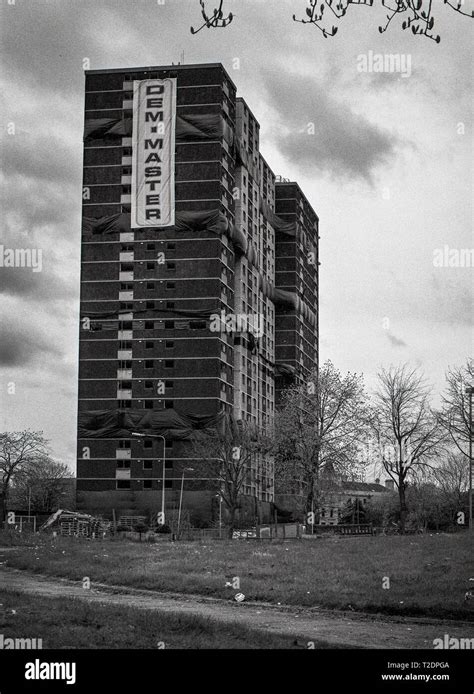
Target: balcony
point(124, 394)
point(125, 335)
point(126, 141)
point(126, 276)
point(127, 85)
point(125, 199)
point(126, 180)
point(126, 257)
point(125, 296)
point(122, 474)
point(127, 236)
point(126, 160)
point(124, 374)
point(123, 454)
point(124, 354)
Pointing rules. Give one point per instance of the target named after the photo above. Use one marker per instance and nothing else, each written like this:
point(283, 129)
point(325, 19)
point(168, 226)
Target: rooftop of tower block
point(154, 68)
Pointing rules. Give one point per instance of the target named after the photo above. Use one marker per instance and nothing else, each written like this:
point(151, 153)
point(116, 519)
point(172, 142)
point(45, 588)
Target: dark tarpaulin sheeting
point(242, 158)
point(185, 312)
point(98, 127)
point(208, 220)
point(168, 423)
point(113, 224)
point(275, 221)
point(285, 369)
point(281, 296)
point(189, 127)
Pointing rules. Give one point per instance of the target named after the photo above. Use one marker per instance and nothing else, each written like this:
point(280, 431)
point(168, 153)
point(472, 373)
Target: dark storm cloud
point(42, 157)
point(31, 204)
point(395, 341)
point(22, 344)
point(35, 286)
point(344, 143)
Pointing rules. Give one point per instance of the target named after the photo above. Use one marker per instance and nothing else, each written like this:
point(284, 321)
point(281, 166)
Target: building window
point(148, 384)
point(168, 484)
point(169, 364)
point(123, 464)
point(170, 266)
point(148, 404)
point(149, 325)
point(124, 404)
point(124, 444)
point(123, 484)
point(169, 324)
point(171, 246)
point(170, 285)
point(169, 344)
point(148, 464)
point(170, 304)
point(149, 364)
point(168, 404)
point(147, 443)
point(150, 285)
point(147, 484)
point(150, 266)
point(150, 304)
point(150, 246)
point(148, 344)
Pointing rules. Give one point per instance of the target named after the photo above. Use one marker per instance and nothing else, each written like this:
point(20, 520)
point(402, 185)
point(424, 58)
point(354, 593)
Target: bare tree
point(40, 487)
point(320, 422)
point(452, 478)
point(406, 429)
point(19, 451)
point(417, 15)
point(232, 453)
point(454, 415)
point(215, 20)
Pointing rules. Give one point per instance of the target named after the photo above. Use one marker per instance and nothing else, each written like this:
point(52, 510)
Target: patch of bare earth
point(304, 624)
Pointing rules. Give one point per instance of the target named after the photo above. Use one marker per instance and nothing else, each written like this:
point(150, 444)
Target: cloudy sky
point(385, 160)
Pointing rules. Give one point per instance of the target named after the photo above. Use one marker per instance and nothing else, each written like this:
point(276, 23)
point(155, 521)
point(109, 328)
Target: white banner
point(153, 143)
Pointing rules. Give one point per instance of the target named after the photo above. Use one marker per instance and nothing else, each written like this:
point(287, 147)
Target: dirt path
point(336, 628)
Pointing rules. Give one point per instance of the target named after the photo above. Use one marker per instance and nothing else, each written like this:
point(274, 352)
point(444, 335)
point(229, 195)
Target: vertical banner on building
point(153, 143)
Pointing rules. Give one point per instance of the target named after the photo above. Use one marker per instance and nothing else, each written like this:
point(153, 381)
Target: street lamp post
point(158, 436)
point(190, 469)
point(219, 496)
point(469, 392)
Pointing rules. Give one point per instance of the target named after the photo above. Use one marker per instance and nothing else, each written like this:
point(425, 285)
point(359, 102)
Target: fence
point(343, 529)
point(21, 523)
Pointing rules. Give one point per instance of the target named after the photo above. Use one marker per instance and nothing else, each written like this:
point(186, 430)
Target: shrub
point(163, 529)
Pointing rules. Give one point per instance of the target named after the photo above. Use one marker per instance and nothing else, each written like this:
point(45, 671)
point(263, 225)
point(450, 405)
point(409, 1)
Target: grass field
point(428, 575)
point(67, 623)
